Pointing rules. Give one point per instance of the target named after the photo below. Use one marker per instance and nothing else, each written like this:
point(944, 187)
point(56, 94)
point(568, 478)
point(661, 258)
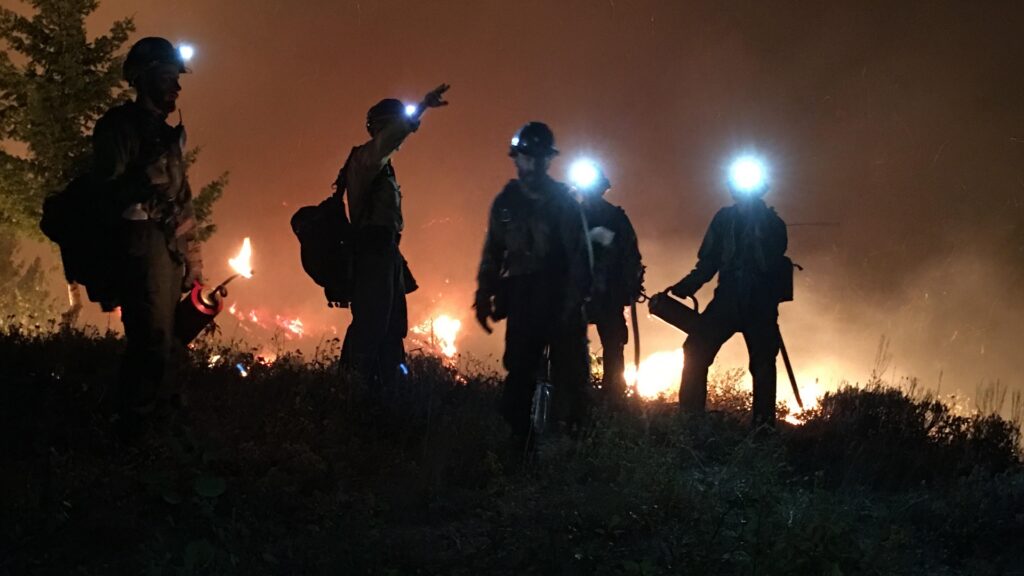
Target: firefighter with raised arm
point(746, 246)
point(618, 272)
point(139, 158)
point(373, 346)
point(536, 272)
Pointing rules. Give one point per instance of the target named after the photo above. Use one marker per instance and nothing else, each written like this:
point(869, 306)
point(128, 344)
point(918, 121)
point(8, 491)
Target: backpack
point(82, 221)
point(325, 244)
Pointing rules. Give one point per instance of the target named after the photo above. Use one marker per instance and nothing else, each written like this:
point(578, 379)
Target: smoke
point(900, 123)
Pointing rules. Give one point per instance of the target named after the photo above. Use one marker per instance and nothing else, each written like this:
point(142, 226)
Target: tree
point(55, 83)
point(22, 295)
point(53, 88)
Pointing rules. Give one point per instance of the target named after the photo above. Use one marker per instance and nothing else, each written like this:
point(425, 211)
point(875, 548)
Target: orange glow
point(442, 332)
point(242, 264)
point(292, 325)
point(659, 375)
point(811, 392)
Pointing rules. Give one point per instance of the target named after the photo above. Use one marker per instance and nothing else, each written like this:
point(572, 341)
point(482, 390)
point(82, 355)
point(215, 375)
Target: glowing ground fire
point(659, 375)
point(441, 332)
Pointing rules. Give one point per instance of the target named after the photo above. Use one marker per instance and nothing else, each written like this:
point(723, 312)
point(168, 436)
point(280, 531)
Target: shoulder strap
point(341, 182)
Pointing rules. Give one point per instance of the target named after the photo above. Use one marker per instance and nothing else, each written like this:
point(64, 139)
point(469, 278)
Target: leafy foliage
point(203, 202)
point(54, 84)
point(23, 296)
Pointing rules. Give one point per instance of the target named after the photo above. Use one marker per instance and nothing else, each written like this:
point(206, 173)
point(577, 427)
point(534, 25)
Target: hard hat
point(147, 53)
point(534, 139)
point(386, 108)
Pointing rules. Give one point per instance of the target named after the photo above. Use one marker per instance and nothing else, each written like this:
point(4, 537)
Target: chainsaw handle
point(665, 292)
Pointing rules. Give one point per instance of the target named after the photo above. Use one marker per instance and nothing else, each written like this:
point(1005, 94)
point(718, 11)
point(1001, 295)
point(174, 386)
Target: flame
point(810, 392)
point(442, 331)
point(242, 264)
point(292, 325)
point(659, 375)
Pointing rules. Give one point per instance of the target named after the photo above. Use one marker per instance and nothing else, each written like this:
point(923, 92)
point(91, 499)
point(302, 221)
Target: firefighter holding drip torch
point(139, 159)
point(746, 246)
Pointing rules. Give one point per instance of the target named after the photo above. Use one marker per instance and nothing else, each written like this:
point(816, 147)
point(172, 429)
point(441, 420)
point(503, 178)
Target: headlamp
point(186, 51)
point(748, 175)
point(584, 174)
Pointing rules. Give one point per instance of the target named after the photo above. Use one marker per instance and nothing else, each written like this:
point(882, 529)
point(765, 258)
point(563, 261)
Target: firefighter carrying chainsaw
point(746, 246)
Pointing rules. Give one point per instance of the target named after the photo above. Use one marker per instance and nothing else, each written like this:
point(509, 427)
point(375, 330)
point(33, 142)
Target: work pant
point(150, 287)
point(611, 329)
point(725, 316)
point(373, 345)
point(538, 320)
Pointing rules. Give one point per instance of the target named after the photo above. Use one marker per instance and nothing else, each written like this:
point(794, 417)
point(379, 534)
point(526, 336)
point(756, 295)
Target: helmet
point(385, 108)
point(534, 139)
point(146, 54)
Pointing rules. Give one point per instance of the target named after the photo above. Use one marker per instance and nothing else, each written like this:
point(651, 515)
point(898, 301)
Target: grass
point(294, 470)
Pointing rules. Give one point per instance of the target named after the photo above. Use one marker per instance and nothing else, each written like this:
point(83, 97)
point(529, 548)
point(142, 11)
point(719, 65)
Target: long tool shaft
point(636, 338)
point(789, 370)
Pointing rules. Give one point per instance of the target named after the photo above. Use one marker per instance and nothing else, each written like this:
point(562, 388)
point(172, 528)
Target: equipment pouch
point(783, 280)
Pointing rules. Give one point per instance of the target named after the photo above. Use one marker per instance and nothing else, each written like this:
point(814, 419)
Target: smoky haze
point(895, 133)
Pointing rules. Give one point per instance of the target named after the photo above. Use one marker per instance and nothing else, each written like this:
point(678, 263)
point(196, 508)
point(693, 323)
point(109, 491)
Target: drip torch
point(198, 310)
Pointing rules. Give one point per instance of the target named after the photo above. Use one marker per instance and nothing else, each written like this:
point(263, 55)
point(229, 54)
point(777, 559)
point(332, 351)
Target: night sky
point(898, 127)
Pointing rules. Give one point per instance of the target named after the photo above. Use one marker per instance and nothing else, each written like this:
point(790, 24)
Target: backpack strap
point(340, 185)
point(341, 182)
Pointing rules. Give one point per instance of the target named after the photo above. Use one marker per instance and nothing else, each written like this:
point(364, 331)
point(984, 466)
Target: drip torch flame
point(242, 264)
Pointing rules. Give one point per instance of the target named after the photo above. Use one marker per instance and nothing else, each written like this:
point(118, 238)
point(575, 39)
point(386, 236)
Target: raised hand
point(435, 98)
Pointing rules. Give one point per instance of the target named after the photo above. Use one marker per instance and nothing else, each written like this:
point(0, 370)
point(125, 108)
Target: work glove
point(484, 310)
point(682, 290)
point(601, 236)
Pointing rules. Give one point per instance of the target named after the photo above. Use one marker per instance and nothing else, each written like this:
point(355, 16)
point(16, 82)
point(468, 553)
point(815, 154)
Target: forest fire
point(658, 377)
point(441, 333)
point(290, 327)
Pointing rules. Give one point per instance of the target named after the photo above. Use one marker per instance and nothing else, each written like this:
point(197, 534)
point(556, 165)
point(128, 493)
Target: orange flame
point(658, 377)
point(242, 264)
point(443, 331)
point(292, 325)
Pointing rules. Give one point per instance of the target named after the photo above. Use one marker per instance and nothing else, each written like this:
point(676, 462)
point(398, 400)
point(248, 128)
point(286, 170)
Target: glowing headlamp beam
point(410, 110)
point(186, 51)
point(748, 175)
point(584, 174)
